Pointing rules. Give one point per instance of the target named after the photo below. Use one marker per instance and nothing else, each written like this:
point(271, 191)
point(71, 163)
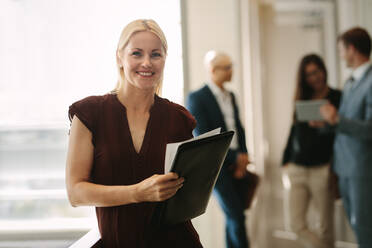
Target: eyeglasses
point(224, 67)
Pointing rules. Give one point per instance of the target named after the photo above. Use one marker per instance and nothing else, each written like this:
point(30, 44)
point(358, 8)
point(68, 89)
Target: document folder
point(199, 162)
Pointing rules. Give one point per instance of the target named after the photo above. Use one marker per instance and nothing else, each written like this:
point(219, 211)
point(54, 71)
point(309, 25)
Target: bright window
point(52, 53)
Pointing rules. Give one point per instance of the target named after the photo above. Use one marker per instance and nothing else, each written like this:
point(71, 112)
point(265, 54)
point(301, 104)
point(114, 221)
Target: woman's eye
point(156, 55)
point(137, 54)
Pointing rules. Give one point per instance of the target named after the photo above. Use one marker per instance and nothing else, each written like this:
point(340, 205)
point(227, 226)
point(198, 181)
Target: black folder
point(199, 162)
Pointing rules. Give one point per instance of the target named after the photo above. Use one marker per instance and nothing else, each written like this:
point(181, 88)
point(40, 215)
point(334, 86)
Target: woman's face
point(143, 60)
point(315, 77)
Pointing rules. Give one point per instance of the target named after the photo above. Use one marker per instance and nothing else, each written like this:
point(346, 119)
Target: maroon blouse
point(116, 162)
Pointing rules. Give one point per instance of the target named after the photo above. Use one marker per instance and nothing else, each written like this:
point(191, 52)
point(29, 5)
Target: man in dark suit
point(353, 125)
point(213, 106)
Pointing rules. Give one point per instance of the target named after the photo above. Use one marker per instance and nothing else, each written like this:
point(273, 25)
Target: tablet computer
point(309, 110)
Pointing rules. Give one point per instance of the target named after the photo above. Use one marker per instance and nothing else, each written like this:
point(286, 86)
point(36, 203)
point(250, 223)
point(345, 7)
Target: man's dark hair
point(358, 38)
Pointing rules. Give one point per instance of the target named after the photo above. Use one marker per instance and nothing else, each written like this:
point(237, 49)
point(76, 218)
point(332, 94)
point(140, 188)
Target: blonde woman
point(117, 144)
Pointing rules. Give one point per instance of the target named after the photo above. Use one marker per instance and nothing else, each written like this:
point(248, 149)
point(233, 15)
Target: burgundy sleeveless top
point(116, 162)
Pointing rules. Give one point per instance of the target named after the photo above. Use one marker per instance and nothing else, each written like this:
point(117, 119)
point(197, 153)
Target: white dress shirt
point(359, 72)
point(224, 101)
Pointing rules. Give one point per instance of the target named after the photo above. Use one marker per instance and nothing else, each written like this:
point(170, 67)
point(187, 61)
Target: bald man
point(214, 106)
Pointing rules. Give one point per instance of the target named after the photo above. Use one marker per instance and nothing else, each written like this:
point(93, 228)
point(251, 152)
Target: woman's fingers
point(167, 177)
point(166, 194)
point(169, 180)
point(159, 187)
point(172, 185)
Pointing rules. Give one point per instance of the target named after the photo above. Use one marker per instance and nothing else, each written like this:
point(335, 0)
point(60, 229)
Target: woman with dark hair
point(307, 159)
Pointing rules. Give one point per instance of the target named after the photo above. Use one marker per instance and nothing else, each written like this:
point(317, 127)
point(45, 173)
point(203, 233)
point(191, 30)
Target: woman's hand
point(317, 124)
point(158, 187)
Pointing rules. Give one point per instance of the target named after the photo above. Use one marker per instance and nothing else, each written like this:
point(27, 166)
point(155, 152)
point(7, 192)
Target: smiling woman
point(148, 47)
point(48, 60)
point(144, 66)
point(117, 146)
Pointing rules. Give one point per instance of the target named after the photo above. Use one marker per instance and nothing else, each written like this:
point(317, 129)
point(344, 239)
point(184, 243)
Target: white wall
point(351, 14)
point(212, 24)
point(354, 13)
point(267, 62)
point(283, 47)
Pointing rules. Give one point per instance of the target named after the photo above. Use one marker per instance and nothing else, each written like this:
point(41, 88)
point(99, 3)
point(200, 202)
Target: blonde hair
point(132, 28)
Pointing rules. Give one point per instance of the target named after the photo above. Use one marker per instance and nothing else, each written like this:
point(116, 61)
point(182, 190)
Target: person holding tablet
point(307, 157)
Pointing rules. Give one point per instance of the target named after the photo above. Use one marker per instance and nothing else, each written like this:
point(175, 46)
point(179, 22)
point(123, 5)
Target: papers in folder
point(171, 149)
point(309, 110)
point(199, 161)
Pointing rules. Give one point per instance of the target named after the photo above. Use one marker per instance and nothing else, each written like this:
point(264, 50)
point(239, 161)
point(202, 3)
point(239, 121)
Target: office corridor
point(53, 53)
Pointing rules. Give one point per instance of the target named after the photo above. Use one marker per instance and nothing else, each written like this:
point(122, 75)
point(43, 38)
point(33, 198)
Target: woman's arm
point(82, 192)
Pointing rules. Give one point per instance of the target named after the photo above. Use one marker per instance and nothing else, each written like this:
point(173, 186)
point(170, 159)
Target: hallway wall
point(282, 42)
point(211, 25)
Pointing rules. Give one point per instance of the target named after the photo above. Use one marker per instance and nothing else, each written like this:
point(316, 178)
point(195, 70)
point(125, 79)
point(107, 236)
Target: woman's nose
point(146, 62)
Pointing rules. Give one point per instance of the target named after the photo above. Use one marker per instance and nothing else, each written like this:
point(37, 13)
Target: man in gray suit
point(353, 125)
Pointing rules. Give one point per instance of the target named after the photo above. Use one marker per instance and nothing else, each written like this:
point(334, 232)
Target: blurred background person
point(353, 125)
point(214, 106)
point(307, 158)
point(113, 162)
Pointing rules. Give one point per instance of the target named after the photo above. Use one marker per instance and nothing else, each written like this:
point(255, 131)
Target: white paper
point(171, 149)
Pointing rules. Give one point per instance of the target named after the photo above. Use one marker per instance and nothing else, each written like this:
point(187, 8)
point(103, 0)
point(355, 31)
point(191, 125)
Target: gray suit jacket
point(353, 142)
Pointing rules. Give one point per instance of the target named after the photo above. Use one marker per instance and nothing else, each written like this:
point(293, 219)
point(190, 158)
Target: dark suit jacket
point(204, 107)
